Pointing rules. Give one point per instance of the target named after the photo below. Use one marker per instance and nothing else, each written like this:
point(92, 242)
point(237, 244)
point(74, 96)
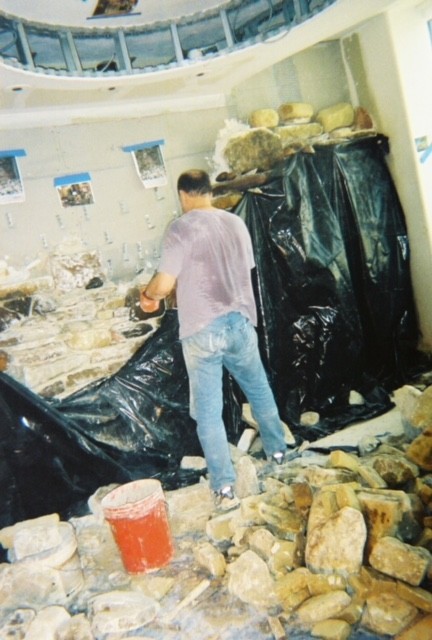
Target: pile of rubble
point(332, 544)
point(63, 325)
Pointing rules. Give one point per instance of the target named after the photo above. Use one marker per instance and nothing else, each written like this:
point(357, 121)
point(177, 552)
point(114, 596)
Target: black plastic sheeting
point(333, 283)
point(132, 425)
point(335, 314)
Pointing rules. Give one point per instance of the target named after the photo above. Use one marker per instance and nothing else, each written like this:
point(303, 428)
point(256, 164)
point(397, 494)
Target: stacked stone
point(57, 335)
point(277, 133)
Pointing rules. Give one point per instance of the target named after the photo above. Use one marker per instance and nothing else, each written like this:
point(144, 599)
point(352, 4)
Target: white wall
point(397, 53)
point(116, 222)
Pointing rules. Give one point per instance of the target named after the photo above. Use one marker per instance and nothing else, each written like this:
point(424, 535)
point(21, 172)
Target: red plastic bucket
point(137, 514)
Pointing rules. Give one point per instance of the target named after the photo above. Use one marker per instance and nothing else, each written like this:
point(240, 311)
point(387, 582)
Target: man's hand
point(147, 304)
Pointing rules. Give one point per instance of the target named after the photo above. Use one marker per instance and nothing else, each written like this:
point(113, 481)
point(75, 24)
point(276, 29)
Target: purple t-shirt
point(210, 254)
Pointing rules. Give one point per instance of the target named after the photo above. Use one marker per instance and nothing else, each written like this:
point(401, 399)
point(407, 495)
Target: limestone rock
point(292, 588)
point(406, 399)
point(189, 508)
point(400, 560)
point(337, 546)
point(371, 477)
point(423, 488)
point(362, 119)
point(417, 596)
point(419, 630)
point(247, 480)
point(336, 116)
point(420, 450)
point(7, 534)
point(319, 476)
point(290, 111)
point(318, 583)
point(339, 458)
point(323, 607)
point(89, 339)
point(210, 559)
point(395, 470)
point(291, 132)
point(121, 611)
point(76, 269)
point(46, 623)
point(422, 415)
point(386, 613)
point(218, 529)
point(261, 541)
point(250, 580)
point(258, 148)
point(331, 630)
point(77, 628)
point(16, 624)
point(285, 555)
point(384, 513)
point(264, 118)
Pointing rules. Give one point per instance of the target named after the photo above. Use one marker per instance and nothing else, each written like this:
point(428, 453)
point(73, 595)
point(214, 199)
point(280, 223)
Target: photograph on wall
point(74, 190)
point(149, 163)
point(109, 8)
point(11, 186)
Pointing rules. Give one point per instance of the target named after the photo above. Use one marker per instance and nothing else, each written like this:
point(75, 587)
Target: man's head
point(194, 189)
point(194, 181)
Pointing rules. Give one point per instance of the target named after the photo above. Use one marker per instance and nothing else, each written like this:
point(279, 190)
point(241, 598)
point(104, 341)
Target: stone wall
point(66, 326)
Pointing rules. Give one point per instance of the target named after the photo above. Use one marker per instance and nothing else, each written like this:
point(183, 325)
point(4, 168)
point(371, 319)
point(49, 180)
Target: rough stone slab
point(419, 630)
point(386, 613)
point(348, 527)
point(46, 623)
point(249, 579)
point(336, 116)
point(400, 560)
point(331, 630)
point(289, 111)
point(323, 607)
point(258, 148)
point(264, 118)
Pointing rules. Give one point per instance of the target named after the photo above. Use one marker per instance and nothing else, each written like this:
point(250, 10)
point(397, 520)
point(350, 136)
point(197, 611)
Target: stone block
point(336, 116)
point(337, 545)
point(339, 458)
point(47, 622)
point(294, 132)
point(210, 559)
point(386, 613)
point(418, 630)
point(332, 630)
point(249, 579)
point(400, 560)
point(264, 118)
point(297, 111)
point(322, 607)
point(420, 450)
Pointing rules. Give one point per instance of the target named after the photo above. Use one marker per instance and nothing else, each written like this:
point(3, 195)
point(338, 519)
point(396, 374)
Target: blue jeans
point(229, 341)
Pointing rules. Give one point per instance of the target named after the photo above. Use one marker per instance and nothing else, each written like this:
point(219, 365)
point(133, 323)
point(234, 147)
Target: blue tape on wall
point(143, 145)
point(72, 179)
point(12, 153)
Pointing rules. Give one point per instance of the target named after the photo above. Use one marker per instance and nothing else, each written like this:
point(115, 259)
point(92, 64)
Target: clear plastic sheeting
point(333, 284)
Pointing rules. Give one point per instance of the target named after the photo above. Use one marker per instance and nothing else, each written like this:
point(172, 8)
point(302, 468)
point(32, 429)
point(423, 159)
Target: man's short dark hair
point(194, 181)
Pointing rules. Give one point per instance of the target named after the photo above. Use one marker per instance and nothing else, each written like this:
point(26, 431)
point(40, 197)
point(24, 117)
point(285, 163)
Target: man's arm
point(159, 287)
